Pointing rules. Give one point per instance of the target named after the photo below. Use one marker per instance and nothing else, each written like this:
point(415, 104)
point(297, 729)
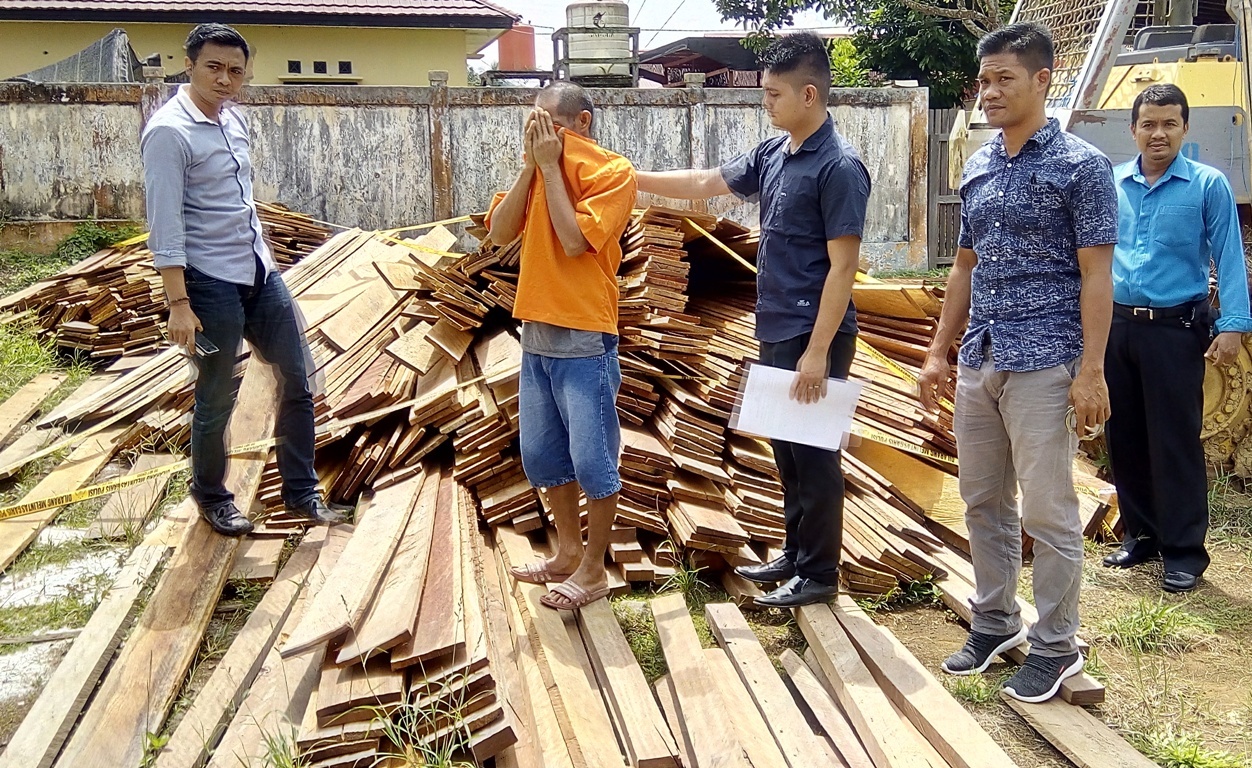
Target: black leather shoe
point(1179, 581)
point(778, 569)
point(798, 592)
point(227, 520)
point(1125, 558)
point(319, 512)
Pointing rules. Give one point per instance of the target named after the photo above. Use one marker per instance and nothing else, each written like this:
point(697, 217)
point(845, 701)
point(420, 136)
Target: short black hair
point(215, 33)
point(572, 99)
point(801, 52)
point(1030, 42)
point(1162, 94)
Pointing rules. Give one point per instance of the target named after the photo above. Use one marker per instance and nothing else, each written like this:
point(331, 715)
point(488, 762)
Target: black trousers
point(812, 478)
point(1155, 374)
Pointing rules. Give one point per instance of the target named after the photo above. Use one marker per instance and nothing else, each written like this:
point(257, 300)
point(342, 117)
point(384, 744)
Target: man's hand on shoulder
point(1225, 348)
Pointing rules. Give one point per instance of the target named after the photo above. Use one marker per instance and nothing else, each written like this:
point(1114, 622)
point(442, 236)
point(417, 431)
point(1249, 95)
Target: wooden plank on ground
point(947, 725)
point(711, 743)
point(889, 745)
point(128, 510)
point(343, 602)
point(23, 403)
point(393, 613)
point(575, 697)
point(48, 721)
point(647, 738)
point(741, 713)
point(17, 533)
point(826, 710)
point(257, 559)
point(276, 702)
point(203, 724)
point(797, 742)
point(664, 690)
point(1079, 735)
point(142, 684)
point(439, 623)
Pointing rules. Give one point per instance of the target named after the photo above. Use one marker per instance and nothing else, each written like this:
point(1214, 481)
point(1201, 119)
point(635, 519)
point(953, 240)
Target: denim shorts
point(569, 426)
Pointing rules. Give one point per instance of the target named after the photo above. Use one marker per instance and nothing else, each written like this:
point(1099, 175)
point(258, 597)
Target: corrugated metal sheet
point(399, 8)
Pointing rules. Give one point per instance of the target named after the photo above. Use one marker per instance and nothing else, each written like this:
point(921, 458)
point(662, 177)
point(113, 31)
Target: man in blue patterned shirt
point(1177, 217)
point(1032, 275)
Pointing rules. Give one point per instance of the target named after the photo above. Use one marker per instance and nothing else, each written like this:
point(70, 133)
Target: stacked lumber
point(113, 303)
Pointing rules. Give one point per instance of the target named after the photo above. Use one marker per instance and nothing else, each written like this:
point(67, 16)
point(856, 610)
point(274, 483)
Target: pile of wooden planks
point(110, 304)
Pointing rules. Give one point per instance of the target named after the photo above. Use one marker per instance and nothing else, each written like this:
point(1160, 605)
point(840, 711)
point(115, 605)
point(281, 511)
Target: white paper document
point(767, 410)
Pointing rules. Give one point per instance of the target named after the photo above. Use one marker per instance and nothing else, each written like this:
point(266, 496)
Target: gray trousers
point(1010, 432)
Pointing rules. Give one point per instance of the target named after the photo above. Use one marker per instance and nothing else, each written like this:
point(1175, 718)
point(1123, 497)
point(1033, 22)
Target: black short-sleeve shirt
point(818, 193)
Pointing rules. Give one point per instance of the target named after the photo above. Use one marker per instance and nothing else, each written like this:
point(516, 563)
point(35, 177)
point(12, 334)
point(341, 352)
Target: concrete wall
point(379, 55)
point(377, 158)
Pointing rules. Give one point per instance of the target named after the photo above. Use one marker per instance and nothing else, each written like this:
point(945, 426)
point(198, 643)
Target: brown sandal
point(577, 596)
point(538, 572)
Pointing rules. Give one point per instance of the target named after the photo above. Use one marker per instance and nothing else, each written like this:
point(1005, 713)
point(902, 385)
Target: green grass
point(640, 630)
point(923, 592)
point(41, 554)
point(1230, 511)
point(1172, 749)
point(1093, 665)
point(939, 273)
point(1157, 627)
point(68, 611)
point(974, 689)
point(281, 752)
point(403, 729)
point(23, 355)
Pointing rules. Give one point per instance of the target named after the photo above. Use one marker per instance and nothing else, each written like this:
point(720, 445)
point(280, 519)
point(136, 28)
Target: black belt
point(1184, 312)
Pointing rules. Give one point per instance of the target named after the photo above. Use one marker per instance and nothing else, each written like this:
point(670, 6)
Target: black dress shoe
point(797, 592)
point(1126, 558)
point(319, 512)
point(778, 569)
point(227, 520)
point(1179, 581)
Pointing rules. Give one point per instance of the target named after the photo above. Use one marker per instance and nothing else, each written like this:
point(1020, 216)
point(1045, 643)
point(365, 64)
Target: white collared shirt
point(198, 178)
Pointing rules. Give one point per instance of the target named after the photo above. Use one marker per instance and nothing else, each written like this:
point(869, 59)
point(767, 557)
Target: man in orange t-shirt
point(570, 204)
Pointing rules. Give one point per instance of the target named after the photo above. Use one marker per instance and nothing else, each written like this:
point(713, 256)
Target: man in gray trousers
point(1033, 276)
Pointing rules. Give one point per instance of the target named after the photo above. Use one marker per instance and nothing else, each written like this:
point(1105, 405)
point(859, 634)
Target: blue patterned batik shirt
point(1025, 217)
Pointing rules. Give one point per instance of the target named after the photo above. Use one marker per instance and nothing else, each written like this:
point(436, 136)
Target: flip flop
point(538, 572)
point(577, 596)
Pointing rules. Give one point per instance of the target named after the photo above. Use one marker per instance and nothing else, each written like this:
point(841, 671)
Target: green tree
point(846, 67)
point(931, 41)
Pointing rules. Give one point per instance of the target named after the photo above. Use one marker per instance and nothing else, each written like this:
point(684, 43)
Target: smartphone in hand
point(204, 347)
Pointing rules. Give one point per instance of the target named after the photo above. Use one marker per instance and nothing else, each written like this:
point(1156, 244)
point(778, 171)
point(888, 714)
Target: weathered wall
point(385, 157)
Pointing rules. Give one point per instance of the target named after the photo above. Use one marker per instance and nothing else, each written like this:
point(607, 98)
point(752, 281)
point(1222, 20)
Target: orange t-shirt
point(576, 292)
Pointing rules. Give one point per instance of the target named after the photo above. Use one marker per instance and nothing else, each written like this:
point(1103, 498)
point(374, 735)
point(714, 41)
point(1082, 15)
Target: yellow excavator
point(1107, 52)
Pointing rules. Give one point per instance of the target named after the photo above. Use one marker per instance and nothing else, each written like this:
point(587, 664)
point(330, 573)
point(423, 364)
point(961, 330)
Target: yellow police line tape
point(878, 436)
point(110, 486)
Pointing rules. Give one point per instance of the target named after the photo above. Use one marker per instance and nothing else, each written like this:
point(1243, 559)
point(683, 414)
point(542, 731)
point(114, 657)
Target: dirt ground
point(1201, 696)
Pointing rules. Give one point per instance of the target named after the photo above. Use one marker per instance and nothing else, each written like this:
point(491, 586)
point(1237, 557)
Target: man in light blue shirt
point(1176, 219)
point(219, 276)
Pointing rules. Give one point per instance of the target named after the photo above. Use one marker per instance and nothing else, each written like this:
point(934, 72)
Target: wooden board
point(17, 533)
point(888, 743)
point(130, 508)
point(257, 559)
point(440, 622)
point(826, 711)
point(23, 403)
point(393, 613)
point(276, 702)
point(1079, 735)
point(575, 697)
point(205, 722)
point(711, 743)
point(742, 716)
point(647, 738)
point(947, 725)
point(346, 597)
point(664, 690)
point(48, 722)
point(798, 744)
point(145, 678)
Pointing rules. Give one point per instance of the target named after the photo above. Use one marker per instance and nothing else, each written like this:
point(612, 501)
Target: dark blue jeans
point(264, 315)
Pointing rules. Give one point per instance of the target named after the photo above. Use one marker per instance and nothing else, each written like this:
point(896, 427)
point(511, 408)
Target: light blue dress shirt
point(1170, 232)
point(198, 180)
